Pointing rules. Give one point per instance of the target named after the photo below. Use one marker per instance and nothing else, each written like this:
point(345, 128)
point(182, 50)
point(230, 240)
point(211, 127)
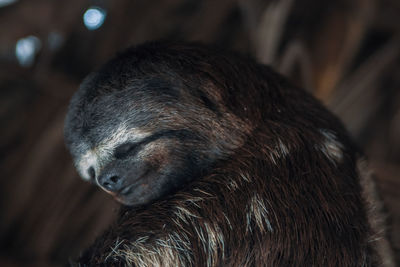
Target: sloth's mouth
point(132, 194)
point(126, 190)
point(132, 186)
point(124, 194)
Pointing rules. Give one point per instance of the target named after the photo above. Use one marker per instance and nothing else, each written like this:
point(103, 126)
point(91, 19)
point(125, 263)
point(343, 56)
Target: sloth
point(219, 161)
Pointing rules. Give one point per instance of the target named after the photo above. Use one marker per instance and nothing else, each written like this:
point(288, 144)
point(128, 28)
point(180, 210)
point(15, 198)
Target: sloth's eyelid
point(124, 150)
point(130, 148)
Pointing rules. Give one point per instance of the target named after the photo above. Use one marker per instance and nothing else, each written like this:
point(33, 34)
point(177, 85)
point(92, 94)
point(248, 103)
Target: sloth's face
point(141, 143)
point(138, 166)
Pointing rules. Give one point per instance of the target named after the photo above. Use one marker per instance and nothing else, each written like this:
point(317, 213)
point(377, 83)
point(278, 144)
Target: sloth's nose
point(110, 182)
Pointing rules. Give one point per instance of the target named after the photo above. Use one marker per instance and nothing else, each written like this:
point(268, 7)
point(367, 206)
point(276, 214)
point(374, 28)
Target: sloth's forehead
point(111, 137)
point(142, 89)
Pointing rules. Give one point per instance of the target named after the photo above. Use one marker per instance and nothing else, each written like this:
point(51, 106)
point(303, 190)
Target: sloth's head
point(151, 120)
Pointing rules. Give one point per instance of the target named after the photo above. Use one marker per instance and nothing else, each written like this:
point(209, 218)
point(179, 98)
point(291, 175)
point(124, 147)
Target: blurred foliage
point(345, 52)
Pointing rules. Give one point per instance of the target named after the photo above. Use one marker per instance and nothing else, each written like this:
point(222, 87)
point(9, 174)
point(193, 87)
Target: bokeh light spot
point(26, 50)
point(6, 2)
point(94, 18)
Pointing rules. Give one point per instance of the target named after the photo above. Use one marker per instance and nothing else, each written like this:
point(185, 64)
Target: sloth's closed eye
point(124, 150)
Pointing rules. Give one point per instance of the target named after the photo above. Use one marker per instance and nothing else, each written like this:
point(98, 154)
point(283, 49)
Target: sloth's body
point(222, 163)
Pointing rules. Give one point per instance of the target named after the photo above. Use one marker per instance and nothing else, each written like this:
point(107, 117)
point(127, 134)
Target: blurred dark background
point(346, 52)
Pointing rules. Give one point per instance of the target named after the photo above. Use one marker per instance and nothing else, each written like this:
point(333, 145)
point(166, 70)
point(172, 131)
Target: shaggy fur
point(220, 162)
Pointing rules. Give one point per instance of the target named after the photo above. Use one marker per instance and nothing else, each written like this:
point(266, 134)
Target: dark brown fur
point(286, 192)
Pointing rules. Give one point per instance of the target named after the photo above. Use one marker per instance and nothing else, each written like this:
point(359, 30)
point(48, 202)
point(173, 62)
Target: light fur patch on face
point(88, 160)
point(121, 135)
point(98, 156)
point(158, 150)
point(331, 147)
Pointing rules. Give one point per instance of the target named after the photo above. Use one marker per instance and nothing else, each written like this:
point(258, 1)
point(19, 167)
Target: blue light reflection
point(26, 50)
point(6, 2)
point(94, 17)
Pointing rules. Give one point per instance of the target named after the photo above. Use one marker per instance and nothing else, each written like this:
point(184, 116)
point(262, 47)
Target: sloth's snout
point(110, 182)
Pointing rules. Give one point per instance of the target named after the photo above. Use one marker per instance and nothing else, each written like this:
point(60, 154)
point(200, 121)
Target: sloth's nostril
point(114, 179)
point(111, 183)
